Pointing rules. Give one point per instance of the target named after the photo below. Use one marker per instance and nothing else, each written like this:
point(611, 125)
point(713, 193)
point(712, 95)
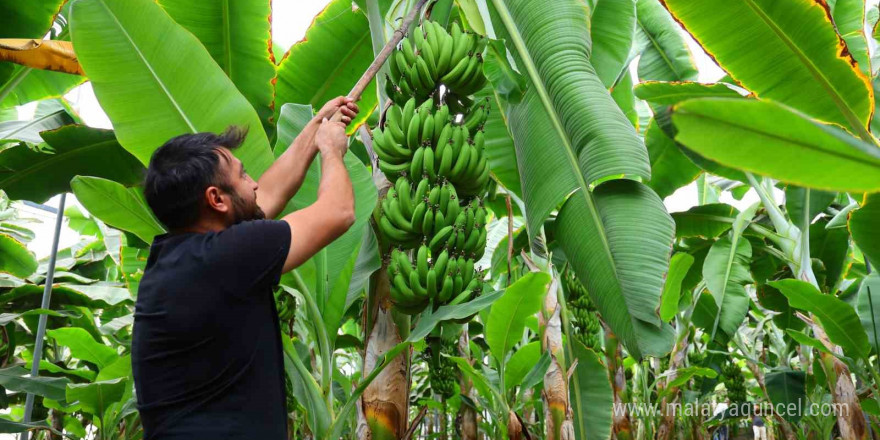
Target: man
point(206, 349)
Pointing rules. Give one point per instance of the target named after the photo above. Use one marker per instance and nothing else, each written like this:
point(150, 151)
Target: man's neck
point(204, 226)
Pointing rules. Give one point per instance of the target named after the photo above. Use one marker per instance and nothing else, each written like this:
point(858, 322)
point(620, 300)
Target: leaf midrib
point(149, 67)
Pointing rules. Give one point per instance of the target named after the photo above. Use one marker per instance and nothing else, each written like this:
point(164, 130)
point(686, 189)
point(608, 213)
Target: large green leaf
point(26, 84)
point(849, 19)
point(30, 20)
point(116, 205)
point(784, 50)
point(591, 395)
point(678, 268)
point(29, 131)
point(18, 379)
point(838, 318)
point(831, 246)
point(332, 269)
point(726, 271)
point(769, 139)
point(83, 346)
point(787, 387)
point(670, 168)
point(19, 84)
point(327, 63)
point(612, 31)
point(507, 317)
point(869, 309)
point(550, 41)
point(863, 224)
point(15, 258)
point(499, 147)
point(706, 221)
point(94, 398)
point(155, 80)
point(619, 240)
point(306, 390)
point(95, 296)
point(522, 360)
point(553, 166)
point(75, 149)
point(237, 35)
point(803, 204)
point(427, 322)
point(673, 92)
point(665, 55)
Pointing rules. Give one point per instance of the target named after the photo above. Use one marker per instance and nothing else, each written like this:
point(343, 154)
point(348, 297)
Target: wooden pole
point(380, 59)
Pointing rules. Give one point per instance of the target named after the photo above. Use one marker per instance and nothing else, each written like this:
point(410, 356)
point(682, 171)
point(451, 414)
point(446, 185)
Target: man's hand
point(346, 105)
point(330, 138)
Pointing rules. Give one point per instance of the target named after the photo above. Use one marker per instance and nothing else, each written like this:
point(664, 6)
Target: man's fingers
point(346, 120)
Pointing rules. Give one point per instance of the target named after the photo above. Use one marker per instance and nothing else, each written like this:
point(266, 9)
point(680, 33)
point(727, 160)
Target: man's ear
point(217, 200)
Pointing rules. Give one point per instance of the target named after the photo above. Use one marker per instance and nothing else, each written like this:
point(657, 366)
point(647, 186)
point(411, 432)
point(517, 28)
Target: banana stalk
point(557, 408)
point(622, 426)
point(466, 422)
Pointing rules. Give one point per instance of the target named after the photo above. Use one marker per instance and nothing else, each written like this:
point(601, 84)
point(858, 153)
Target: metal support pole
point(41, 327)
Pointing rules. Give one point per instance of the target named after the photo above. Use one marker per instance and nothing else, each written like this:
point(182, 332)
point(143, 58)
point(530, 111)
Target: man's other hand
point(346, 105)
point(330, 138)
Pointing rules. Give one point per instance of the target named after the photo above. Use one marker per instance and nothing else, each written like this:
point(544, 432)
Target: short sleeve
point(251, 254)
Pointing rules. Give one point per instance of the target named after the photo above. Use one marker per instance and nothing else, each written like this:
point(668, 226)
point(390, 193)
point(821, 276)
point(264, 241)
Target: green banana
point(412, 132)
point(428, 164)
point(422, 261)
point(415, 167)
point(440, 238)
point(408, 52)
point(428, 221)
point(419, 216)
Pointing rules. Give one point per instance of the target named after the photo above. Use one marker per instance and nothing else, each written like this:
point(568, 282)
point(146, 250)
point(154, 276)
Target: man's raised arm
point(314, 227)
point(283, 179)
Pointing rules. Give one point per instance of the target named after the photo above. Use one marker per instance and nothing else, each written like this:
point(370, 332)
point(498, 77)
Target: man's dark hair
point(181, 169)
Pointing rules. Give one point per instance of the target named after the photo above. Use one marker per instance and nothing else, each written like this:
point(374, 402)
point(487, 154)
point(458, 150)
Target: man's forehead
point(228, 156)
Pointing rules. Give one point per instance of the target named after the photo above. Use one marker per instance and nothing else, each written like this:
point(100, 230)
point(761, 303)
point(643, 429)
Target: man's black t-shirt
point(206, 350)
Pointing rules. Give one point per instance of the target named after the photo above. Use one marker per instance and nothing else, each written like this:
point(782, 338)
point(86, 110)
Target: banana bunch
point(432, 214)
point(734, 382)
point(446, 279)
point(433, 56)
point(442, 371)
point(286, 306)
point(423, 142)
point(584, 317)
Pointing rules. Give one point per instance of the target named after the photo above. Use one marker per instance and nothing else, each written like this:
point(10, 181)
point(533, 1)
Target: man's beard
point(245, 210)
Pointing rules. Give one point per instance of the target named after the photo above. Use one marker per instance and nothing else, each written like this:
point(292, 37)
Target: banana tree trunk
point(851, 422)
point(622, 427)
point(557, 408)
point(467, 416)
point(385, 403)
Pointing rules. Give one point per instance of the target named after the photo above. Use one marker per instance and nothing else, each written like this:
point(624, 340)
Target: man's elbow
point(345, 219)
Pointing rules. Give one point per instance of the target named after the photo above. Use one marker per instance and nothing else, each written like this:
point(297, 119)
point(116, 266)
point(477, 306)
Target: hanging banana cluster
point(432, 214)
point(442, 371)
point(441, 280)
point(425, 141)
point(433, 56)
point(585, 320)
point(285, 304)
point(734, 382)
point(431, 146)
